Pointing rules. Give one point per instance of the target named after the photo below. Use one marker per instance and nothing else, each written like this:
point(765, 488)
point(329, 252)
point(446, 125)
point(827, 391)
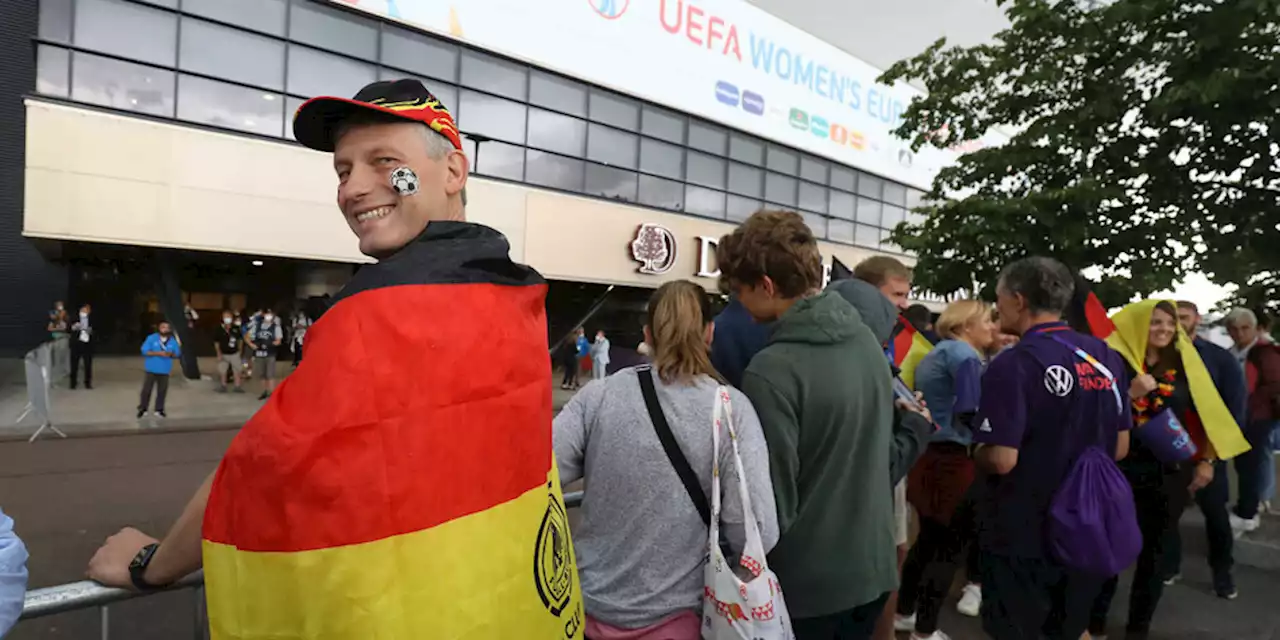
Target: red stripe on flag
point(1096, 314)
point(416, 405)
point(902, 341)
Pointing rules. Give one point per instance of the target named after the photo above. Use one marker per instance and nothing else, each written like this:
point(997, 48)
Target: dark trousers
point(1213, 503)
point(931, 567)
point(1030, 598)
point(161, 383)
point(1250, 466)
point(858, 623)
point(1160, 496)
point(81, 351)
point(570, 371)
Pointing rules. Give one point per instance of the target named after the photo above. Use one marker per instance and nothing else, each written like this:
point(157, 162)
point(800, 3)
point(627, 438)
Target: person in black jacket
point(1229, 380)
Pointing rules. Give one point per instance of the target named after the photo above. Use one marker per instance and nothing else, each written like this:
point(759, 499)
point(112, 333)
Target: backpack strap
point(668, 439)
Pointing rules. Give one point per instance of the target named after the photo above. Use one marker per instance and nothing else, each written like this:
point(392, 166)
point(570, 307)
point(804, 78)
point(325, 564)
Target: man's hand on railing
point(110, 565)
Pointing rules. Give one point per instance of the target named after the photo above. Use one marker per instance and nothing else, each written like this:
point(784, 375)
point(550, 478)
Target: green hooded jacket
point(823, 391)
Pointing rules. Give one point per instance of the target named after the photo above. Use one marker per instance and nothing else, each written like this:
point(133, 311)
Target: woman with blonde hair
point(641, 543)
point(949, 378)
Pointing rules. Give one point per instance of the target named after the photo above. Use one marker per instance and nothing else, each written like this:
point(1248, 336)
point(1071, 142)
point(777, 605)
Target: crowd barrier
point(85, 594)
point(44, 366)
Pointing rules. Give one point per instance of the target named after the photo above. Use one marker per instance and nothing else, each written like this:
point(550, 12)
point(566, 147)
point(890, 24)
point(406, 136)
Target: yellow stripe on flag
point(920, 347)
point(506, 572)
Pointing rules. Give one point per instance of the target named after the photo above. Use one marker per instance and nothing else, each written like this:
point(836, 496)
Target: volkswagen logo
point(610, 9)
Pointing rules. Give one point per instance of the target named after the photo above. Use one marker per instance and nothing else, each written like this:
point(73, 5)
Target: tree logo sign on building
point(654, 247)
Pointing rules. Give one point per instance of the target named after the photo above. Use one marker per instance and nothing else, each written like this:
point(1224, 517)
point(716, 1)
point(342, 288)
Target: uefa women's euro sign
point(654, 247)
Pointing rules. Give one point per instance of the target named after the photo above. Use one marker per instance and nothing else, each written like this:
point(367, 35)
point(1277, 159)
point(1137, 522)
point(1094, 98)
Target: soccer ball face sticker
point(404, 181)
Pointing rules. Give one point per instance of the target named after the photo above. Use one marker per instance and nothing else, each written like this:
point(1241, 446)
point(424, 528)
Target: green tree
point(1146, 142)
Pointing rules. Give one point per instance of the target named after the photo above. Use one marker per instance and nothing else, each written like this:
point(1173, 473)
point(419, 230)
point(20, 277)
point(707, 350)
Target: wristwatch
point(138, 568)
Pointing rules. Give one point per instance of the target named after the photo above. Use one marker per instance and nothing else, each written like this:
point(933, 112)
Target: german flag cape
point(907, 348)
point(1132, 327)
point(391, 489)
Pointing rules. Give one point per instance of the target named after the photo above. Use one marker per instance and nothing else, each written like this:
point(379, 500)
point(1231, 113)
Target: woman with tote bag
point(646, 442)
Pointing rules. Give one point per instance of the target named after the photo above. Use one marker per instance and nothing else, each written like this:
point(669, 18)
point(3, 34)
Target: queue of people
point(757, 500)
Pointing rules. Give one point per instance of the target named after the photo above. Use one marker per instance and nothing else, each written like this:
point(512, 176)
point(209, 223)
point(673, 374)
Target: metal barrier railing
point(75, 596)
point(44, 366)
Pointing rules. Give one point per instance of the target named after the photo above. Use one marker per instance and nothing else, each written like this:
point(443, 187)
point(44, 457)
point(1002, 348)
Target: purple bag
point(1168, 441)
point(1093, 524)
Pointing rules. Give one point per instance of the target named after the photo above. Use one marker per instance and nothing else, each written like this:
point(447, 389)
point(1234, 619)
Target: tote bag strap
point(681, 464)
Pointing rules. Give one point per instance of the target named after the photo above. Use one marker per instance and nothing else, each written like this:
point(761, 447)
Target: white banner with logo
point(725, 60)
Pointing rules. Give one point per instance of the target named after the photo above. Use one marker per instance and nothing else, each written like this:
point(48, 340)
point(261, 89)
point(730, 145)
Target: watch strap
point(138, 568)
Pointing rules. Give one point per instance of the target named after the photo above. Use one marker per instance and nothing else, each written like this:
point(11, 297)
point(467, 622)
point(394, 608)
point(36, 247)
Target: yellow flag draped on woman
point(1133, 326)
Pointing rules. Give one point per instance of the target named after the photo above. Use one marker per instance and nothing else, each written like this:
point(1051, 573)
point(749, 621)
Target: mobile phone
point(905, 394)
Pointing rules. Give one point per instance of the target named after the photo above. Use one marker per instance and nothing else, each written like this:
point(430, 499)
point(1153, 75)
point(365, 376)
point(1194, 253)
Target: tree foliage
point(1145, 142)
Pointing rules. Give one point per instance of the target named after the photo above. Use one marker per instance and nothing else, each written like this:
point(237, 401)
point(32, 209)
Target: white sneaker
point(904, 623)
point(970, 603)
point(1245, 526)
point(936, 635)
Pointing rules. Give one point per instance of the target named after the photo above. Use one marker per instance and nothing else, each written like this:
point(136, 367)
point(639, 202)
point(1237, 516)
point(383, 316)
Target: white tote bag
point(732, 608)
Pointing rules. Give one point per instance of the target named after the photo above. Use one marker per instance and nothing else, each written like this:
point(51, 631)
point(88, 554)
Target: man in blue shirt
point(738, 337)
point(1041, 406)
point(13, 574)
point(1229, 380)
point(159, 351)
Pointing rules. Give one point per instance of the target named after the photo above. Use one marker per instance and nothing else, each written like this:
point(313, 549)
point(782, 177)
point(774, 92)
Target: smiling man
point(378, 494)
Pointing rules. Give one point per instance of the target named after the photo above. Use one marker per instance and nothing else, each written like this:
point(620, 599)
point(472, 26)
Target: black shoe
point(161, 414)
point(73, 386)
point(238, 390)
point(219, 389)
point(1173, 579)
point(265, 395)
point(88, 385)
point(141, 413)
point(1225, 587)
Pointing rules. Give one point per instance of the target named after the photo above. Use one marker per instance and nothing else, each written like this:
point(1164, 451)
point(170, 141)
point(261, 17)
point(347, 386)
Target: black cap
point(317, 119)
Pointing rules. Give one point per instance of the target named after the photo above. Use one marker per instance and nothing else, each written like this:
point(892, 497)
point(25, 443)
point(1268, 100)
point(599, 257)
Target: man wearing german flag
point(379, 494)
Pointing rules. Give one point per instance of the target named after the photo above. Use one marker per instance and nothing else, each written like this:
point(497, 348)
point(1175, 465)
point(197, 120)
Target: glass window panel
point(708, 137)
point(607, 182)
point(887, 244)
point(840, 230)
point(745, 149)
point(739, 208)
point(560, 94)
point(816, 222)
point(328, 28)
point(491, 117)
point(291, 105)
point(783, 160)
point(487, 73)
point(550, 170)
point(612, 147)
point(500, 160)
point(419, 53)
point(315, 73)
point(866, 236)
point(260, 15)
point(611, 108)
point(661, 158)
point(229, 106)
point(842, 178)
point(892, 216)
point(813, 169)
point(554, 132)
point(915, 198)
point(122, 85)
point(895, 194)
point(443, 91)
point(780, 189)
point(53, 70)
point(127, 29)
point(233, 54)
point(664, 124)
point(870, 186)
point(172, 4)
point(813, 197)
point(704, 202)
point(869, 211)
point(841, 204)
point(747, 181)
point(55, 20)
point(665, 194)
point(706, 170)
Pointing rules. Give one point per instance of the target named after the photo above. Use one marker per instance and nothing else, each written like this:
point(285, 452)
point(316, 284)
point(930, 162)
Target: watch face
point(143, 557)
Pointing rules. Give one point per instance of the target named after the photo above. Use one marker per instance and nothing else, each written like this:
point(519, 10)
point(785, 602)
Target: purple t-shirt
point(1050, 404)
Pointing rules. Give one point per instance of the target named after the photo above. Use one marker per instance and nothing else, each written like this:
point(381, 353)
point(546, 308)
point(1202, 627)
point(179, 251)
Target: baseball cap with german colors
point(318, 119)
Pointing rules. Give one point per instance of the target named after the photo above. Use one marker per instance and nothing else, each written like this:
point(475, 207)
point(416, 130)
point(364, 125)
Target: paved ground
point(111, 405)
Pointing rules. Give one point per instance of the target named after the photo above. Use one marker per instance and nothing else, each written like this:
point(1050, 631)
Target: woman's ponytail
point(679, 313)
